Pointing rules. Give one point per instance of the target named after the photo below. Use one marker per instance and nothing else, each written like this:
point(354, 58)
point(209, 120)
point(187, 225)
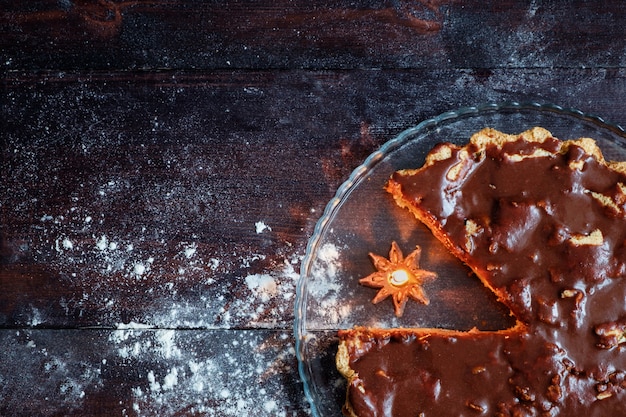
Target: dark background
point(163, 164)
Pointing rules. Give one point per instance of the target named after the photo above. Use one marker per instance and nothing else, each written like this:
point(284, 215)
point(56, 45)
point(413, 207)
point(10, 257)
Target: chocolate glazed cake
point(542, 223)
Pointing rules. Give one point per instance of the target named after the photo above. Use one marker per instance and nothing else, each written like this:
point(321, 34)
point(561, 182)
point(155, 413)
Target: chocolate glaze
point(534, 240)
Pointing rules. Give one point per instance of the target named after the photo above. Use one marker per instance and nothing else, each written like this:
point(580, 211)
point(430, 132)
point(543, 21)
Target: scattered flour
point(64, 376)
point(214, 263)
point(257, 291)
point(329, 256)
point(216, 373)
point(139, 269)
point(35, 317)
point(270, 406)
point(272, 293)
point(263, 286)
point(248, 261)
point(326, 289)
point(102, 243)
point(201, 373)
point(128, 272)
point(261, 227)
point(190, 251)
point(133, 325)
point(170, 380)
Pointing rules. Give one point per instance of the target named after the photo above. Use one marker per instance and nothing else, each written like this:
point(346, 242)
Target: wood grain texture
point(163, 164)
point(153, 35)
point(130, 372)
point(122, 201)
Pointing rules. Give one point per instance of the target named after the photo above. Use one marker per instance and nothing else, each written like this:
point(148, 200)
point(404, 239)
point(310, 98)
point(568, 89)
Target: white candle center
point(399, 277)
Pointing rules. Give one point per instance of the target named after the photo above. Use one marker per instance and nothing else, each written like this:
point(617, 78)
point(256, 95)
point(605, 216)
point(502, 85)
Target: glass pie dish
point(362, 218)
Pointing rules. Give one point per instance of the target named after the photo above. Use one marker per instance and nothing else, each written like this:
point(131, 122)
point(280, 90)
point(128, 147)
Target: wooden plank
point(143, 372)
point(186, 200)
point(316, 35)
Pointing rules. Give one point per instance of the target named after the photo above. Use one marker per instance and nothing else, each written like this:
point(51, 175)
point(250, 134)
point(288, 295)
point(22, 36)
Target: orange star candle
point(398, 277)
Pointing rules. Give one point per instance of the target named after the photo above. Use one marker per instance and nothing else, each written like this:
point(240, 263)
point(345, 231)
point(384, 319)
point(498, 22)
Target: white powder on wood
point(326, 286)
point(263, 286)
point(170, 380)
point(102, 243)
point(261, 227)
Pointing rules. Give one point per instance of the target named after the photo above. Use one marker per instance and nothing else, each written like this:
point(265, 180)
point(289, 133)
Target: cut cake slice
point(542, 223)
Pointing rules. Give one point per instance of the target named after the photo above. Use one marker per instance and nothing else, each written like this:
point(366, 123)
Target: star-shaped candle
point(398, 277)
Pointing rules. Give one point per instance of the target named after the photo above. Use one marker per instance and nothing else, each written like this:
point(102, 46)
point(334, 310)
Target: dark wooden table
point(163, 164)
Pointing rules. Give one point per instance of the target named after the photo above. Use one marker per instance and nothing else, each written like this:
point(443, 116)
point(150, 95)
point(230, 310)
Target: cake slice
point(542, 223)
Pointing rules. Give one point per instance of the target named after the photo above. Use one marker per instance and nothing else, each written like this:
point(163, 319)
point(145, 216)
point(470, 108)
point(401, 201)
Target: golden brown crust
point(489, 136)
point(343, 362)
point(343, 366)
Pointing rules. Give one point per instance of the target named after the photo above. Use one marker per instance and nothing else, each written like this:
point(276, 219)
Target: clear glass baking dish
point(362, 218)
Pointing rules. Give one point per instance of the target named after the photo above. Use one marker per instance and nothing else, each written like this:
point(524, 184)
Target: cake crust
point(542, 223)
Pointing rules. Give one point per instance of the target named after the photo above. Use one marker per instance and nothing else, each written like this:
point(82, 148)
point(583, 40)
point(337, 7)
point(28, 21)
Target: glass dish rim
point(359, 172)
